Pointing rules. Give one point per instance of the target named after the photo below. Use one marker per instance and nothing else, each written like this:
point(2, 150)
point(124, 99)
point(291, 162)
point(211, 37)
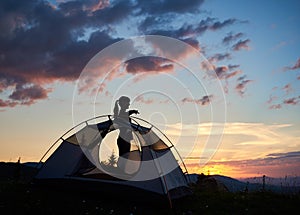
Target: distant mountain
point(225, 183)
point(283, 181)
point(234, 185)
point(33, 164)
point(17, 171)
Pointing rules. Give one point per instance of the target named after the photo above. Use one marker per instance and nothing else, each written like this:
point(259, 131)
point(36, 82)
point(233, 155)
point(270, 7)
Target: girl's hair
point(116, 108)
point(121, 100)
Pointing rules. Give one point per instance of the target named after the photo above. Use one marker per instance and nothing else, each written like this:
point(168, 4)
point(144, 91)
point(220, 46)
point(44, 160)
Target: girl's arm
point(130, 112)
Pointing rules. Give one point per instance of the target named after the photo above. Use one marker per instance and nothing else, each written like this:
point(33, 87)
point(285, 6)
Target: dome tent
point(150, 169)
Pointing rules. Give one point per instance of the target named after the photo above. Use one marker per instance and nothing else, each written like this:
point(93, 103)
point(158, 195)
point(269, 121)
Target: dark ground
point(17, 196)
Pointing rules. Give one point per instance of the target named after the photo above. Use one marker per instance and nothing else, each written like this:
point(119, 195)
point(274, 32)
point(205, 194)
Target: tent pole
point(61, 138)
point(168, 193)
point(172, 145)
point(162, 177)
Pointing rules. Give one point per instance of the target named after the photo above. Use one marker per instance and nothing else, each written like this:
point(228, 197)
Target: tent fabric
point(62, 162)
point(152, 168)
point(152, 140)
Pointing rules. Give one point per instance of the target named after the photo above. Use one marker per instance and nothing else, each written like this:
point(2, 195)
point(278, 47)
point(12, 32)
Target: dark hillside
point(210, 196)
point(16, 171)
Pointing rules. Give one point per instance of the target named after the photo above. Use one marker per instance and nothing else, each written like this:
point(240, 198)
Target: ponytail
point(116, 109)
point(119, 104)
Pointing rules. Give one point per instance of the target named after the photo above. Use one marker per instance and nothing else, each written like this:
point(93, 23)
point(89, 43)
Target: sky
point(221, 79)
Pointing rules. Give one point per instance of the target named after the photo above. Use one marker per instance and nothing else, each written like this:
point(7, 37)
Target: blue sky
point(253, 47)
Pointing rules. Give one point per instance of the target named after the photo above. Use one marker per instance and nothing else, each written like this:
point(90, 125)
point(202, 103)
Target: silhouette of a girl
point(122, 122)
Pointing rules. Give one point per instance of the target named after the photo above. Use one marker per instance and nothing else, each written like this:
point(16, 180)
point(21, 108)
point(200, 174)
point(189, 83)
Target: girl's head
point(123, 102)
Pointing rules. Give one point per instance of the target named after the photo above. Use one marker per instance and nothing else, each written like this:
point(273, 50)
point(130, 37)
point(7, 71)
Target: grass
point(20, 198)
point(240, 203)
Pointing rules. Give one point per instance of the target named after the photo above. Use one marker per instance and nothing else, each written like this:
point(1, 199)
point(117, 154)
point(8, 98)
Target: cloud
point(295, 154)
point(222, 72)
point(291, 101)
point(28, 95)
point(276, 106)
point(158, 16)
point(296, 66)
point(218, 25)
point(31, 55)
point(205, 100)
point(64, 64)
point(7, 103)
point(238, 133)
point(142, 99)
point(234, 66)
point(95, 12)
point(225, 73)
point(241, 86)
point(42, 43)
point(245, 147)
point(191, 31)
point(242, 44)
point(113, 14)
point(149, 64)
point(219, 57)
point(192, 42)
point(233, 74)
point(25, 95)
point(231, 37)
point(168, 6)
point(148, 100)
point(272, 165)
point(145, 66)
point(287, 88)
point(271, 99)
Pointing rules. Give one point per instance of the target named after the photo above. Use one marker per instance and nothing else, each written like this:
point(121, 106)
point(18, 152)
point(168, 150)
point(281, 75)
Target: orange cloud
point(205, 100)
point(247, 149)
point(273, 165)
point(149, 64)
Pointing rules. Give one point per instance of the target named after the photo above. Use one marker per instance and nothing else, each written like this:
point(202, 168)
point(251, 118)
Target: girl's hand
point(133, 112)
